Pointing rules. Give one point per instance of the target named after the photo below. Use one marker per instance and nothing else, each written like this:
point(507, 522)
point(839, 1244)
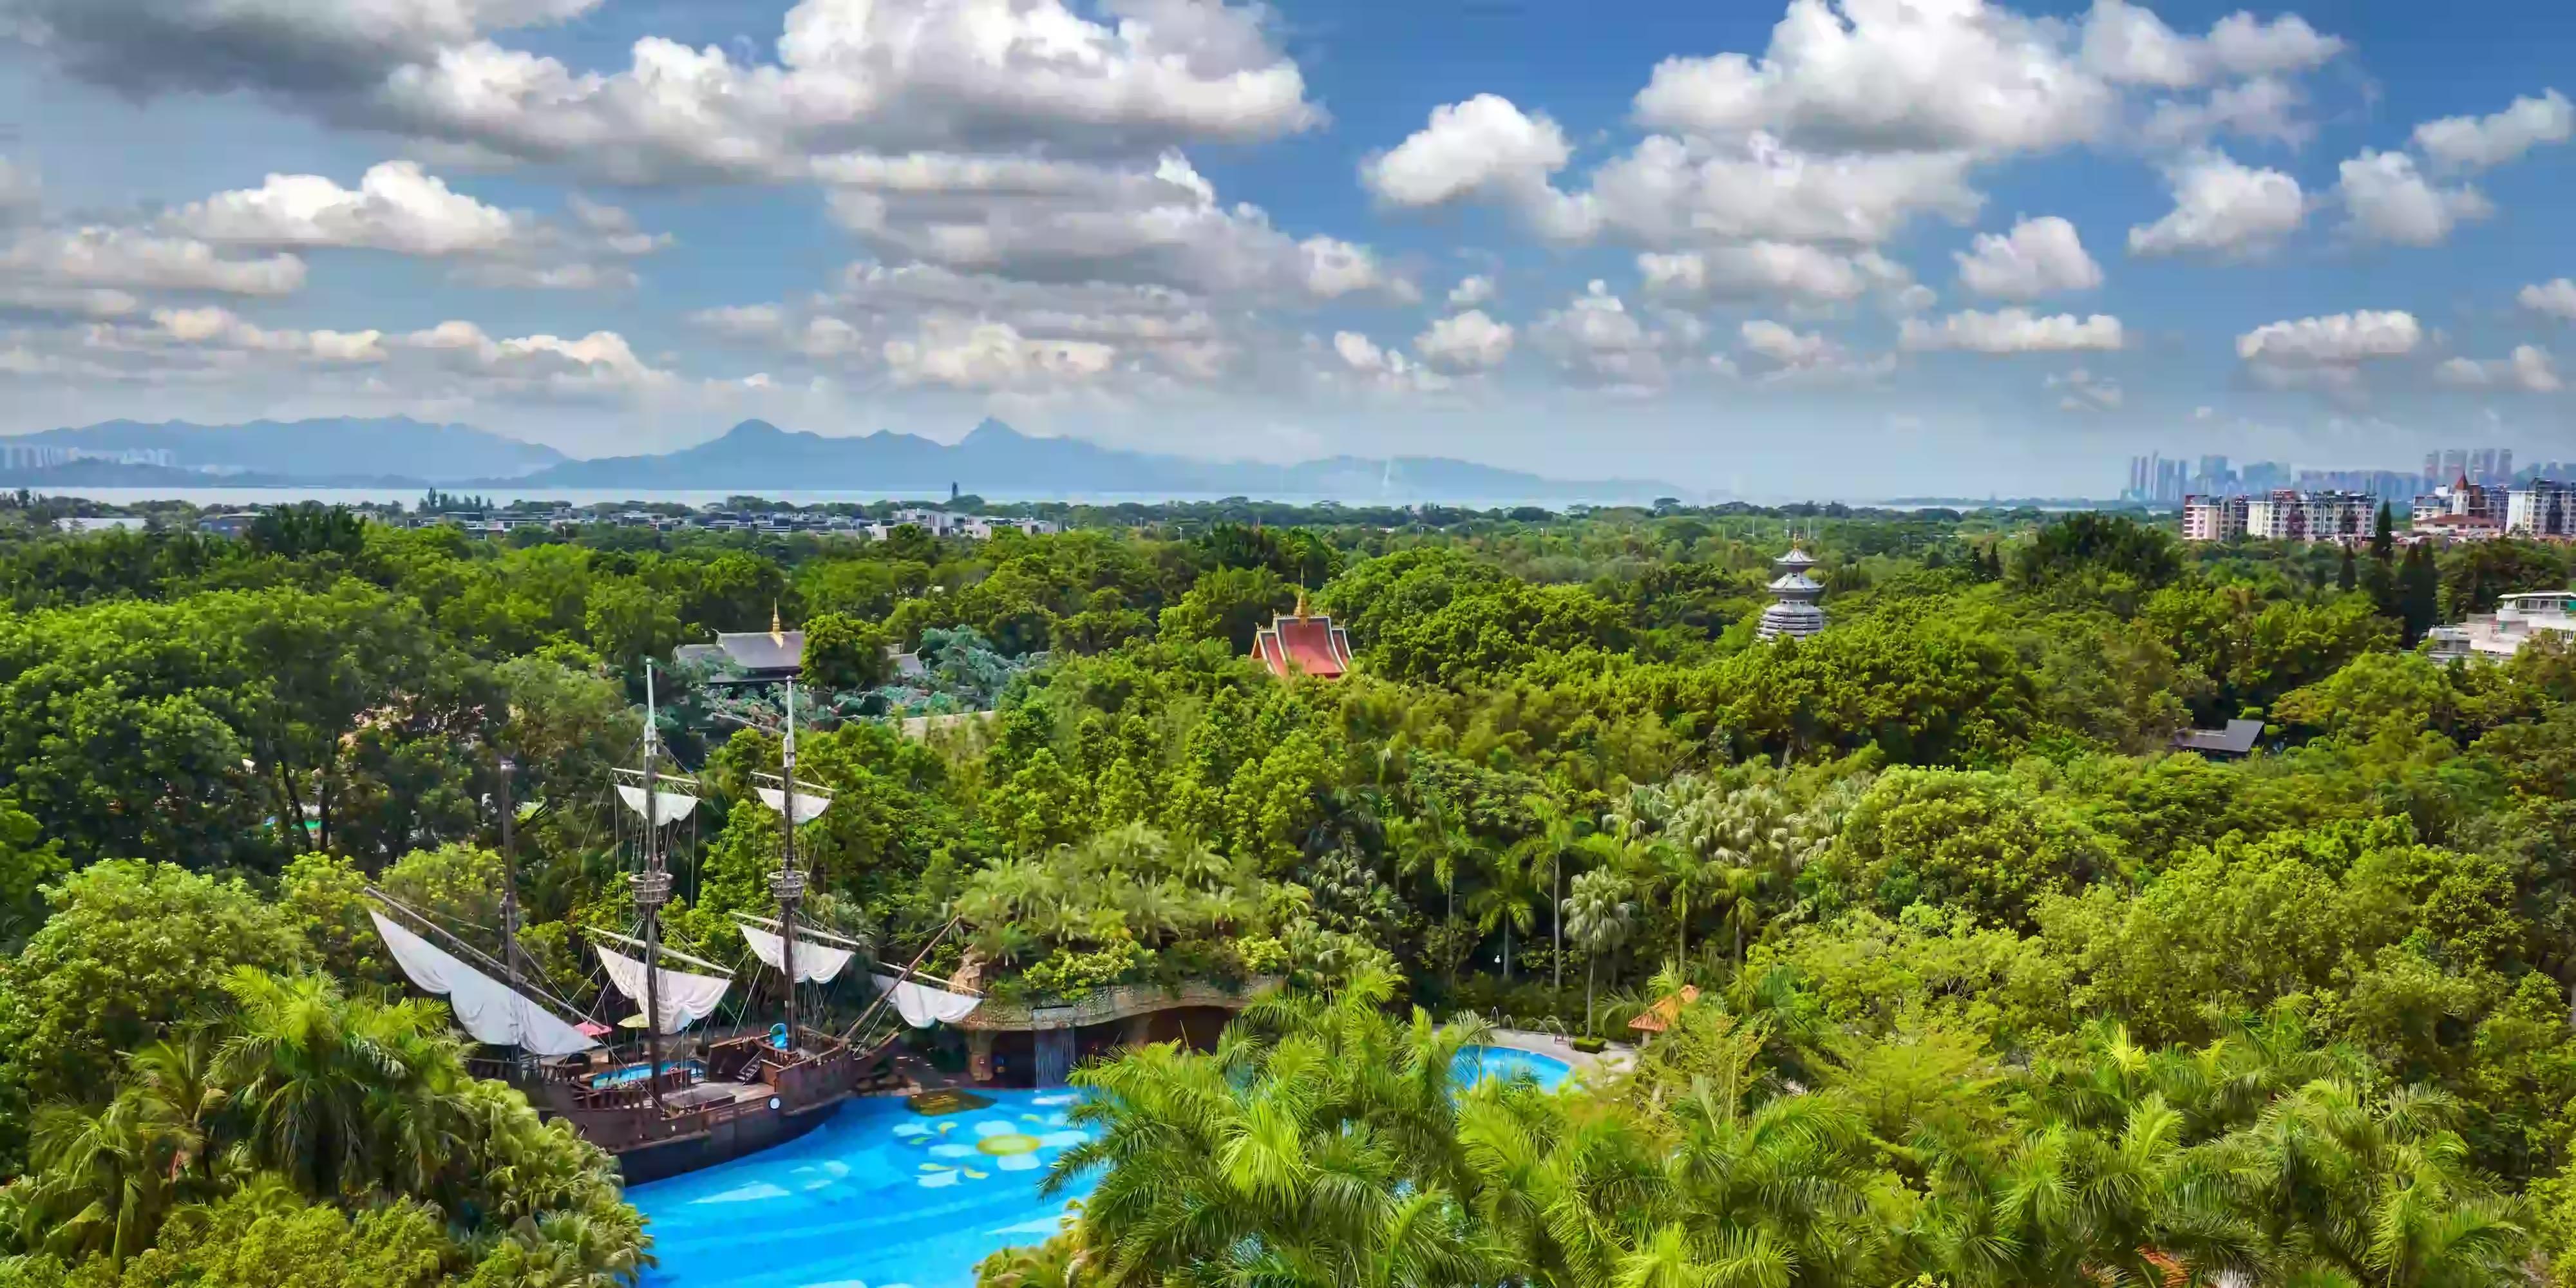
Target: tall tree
point(2383, 563)
point(1600, 915)
point(2419, 592)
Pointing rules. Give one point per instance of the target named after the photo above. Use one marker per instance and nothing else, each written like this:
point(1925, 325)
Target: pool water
point(878, 1197)
point(883, 1197)
point(635, 1073)
point(1480, 1062)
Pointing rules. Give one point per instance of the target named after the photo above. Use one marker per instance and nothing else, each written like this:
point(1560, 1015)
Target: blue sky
point(1831, 247)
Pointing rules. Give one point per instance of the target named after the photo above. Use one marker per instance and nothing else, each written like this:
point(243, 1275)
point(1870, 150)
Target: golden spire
point(777, 631)
point(1301, 603)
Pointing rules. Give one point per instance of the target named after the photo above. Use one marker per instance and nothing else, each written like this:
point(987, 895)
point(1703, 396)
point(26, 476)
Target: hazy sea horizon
point(246, 497)
point(219, 498)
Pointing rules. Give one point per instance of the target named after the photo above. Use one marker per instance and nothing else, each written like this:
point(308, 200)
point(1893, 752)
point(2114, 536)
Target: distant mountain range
point(756, 457)
point(340, 449)
point(997, 459)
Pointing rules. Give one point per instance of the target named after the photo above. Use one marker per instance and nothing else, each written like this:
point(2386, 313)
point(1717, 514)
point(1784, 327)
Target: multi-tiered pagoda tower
point(1796, 614)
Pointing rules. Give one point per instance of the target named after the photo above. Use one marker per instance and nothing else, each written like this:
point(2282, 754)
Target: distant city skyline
point(2154, 479)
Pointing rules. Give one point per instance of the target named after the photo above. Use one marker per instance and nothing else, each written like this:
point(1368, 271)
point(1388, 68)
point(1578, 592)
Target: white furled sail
point(484, 1006)
point(668, 807)
point(921, 1005)
point(685, 998)
point(815, 964)
point(809, 805)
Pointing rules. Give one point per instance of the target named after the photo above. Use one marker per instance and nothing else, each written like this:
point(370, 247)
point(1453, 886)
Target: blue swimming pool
point(1477, 1062)
point(635, 1072)
point(878, 1197)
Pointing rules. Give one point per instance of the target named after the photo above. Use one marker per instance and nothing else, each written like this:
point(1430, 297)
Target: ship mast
point(652, 888)
point(509, 885)
point(788, 884)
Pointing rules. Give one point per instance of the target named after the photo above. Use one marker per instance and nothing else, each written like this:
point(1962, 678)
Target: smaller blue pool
point(1476, 1063)
point(635, 1073)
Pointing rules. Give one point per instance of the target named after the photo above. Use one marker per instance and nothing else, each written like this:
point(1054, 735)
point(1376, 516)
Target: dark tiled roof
point(760, 651)
point(2236, 739)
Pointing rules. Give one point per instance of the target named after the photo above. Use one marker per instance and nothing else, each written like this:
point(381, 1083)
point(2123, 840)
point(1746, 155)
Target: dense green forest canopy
point(1995, 988)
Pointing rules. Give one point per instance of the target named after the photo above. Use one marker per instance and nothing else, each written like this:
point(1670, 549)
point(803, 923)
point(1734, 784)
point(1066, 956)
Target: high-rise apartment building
point(2286, 515)
point(2214, 518)
point(2541, 509)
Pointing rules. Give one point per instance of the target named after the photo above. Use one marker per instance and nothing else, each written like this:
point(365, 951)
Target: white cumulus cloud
point(1769, 269)
point(2011, 331)
point(2333, 339)
point(1597, 340)
point(397, 207)
point(2556, 298)
point(1786, 356)
point(1890, 75)
point(2222, 208)
point(2481, 142)
point(2386, 199)
point(2038, 257)
point(134, 259)
point(1468, 341)
point(2529, 369)
point(2129, 44)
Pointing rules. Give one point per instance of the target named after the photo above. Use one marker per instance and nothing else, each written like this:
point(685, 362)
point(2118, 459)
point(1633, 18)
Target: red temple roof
point(1303, 644)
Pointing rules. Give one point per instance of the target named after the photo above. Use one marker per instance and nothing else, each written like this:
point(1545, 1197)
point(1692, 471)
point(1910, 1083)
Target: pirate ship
point(676, 1096)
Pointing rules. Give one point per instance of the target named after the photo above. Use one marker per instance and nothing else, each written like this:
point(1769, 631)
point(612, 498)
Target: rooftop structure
point(1796, 614)
point(1303, 643)
point(1666, 1012)
point(763, 657)
point(2517, 620)
point(2237, 739)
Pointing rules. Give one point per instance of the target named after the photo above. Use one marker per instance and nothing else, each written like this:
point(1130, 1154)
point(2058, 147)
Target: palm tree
point(570, 1250)
point(1601, 915)
point(1317, 1146)
point(1504, 900)
point(1438, 842)
point(174, 1087)
point(342, 1096)
point(1748, 839)
point(99, 1180)
point(1558, 831)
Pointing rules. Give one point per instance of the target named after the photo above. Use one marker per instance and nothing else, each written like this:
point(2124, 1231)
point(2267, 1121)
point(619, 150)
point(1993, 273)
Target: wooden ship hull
point(730, 1098)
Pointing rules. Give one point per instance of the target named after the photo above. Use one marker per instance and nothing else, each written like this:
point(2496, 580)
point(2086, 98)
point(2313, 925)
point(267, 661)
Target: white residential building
point(2516, 620)
point(2287, 515)
point(2541, 509)
point(938, 523)
point(2214, 518)
point(982, 529)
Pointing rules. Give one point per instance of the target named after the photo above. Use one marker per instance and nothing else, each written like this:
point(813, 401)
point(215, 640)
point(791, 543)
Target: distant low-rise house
point(982, 529)
point(2454, 527)
point(2517, 620)
point(938, 523)
point(228, 525)
point(106, 523)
